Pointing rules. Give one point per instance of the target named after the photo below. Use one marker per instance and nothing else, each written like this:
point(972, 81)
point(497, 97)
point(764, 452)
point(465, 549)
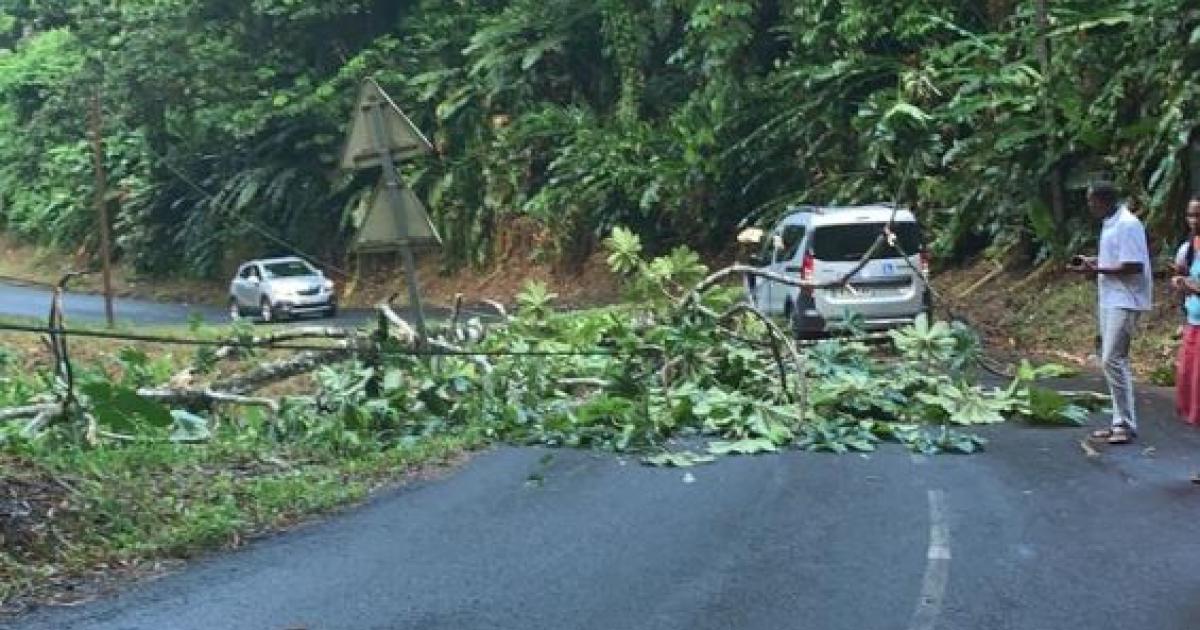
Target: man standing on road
point(1123, 274)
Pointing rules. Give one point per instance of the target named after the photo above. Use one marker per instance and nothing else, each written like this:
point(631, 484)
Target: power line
point(269, 345)
point(183, 177)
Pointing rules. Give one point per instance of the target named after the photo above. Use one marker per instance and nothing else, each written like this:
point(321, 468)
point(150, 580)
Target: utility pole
point(1057, 203)
point(96, 124)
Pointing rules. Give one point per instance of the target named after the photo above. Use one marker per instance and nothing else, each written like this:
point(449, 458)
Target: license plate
point(863, 292)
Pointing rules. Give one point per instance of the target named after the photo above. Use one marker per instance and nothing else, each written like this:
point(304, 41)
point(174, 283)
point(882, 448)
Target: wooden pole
point(102, 205)
point(1057, 202)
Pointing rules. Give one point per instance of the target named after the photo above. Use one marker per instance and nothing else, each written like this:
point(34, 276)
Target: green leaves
point(189, 427)
point(681, 459)
point(747, 446)
point(1046, 406)
point(840, 435)
point(924, 341)
point(121, 409)
point(535, 300)
point(625, 250)
point(964, 405)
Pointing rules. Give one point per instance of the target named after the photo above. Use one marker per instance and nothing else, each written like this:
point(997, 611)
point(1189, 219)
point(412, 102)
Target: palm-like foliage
point(679, 118)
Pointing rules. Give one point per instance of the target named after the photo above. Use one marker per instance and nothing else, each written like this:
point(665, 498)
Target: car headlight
point(328, 286)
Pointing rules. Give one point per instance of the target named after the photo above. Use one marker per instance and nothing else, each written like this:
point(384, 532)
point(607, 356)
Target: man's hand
point(1083, 264)
point(1184, 284)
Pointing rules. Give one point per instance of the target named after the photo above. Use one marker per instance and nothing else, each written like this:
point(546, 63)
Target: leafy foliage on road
point(122, 477)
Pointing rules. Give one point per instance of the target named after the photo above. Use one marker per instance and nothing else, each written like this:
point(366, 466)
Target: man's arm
point(1089, 266)
point(1132, 249)
point(1124, 269)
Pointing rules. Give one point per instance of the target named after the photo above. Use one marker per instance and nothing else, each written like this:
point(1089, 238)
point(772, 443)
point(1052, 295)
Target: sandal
point(1120, 435)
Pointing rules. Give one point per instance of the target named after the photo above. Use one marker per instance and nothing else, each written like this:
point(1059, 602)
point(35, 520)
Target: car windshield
point(290, 269)
point(851, 241)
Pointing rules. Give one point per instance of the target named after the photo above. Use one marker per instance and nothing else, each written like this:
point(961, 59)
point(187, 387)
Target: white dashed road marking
point(937, 566)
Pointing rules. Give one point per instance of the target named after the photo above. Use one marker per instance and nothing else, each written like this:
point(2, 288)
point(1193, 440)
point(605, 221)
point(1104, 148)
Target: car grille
point(309, 291)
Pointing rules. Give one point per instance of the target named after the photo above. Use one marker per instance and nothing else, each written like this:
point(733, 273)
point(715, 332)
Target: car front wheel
point(266, 313)
point(235, 310)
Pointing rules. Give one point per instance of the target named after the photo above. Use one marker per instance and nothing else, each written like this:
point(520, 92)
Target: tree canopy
point(679, 118)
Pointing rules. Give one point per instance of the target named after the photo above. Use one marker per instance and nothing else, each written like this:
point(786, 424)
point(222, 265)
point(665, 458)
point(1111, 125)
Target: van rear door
point(887, 286)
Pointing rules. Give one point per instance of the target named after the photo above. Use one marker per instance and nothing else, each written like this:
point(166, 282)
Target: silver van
point(823, 244)
point(277, 288)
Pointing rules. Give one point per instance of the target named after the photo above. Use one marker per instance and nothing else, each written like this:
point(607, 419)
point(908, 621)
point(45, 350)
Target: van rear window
point(849, 242)
point(793, 235)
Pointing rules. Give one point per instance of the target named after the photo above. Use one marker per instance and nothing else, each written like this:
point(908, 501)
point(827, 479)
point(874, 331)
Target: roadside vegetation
point(141, 461)
point(616, 134)
point(559, 119)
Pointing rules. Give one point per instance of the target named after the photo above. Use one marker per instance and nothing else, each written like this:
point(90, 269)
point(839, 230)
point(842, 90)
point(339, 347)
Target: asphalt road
point(22, 301)
point(1030, 535)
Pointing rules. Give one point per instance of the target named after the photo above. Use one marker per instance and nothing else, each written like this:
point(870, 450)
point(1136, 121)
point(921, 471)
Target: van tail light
point(923, 262)
point(807, 269)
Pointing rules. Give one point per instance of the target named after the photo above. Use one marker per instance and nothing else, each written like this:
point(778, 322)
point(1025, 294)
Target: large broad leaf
point(189, 427)
point(1047, 406)
point(925, 340)
point(625, 248)
point(121, 409)
point(975, 408)
point(966, 406)
point(749, 446)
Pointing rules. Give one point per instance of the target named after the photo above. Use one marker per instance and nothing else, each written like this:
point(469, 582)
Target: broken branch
point(30, 411)
point(206, 398)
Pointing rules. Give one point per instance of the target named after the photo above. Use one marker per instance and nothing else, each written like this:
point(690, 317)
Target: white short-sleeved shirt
point(1123, 240)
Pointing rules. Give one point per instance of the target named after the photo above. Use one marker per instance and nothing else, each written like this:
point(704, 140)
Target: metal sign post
point(380, 134)
point(392, 186)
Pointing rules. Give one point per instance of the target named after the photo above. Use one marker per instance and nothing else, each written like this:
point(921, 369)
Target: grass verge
point(1055, 318)
point(76, 521)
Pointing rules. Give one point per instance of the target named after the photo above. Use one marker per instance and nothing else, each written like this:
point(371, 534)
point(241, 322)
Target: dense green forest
point(562, 118)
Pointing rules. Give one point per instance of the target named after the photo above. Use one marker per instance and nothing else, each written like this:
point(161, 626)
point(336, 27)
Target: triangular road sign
point(381, 226)
point(400, 135)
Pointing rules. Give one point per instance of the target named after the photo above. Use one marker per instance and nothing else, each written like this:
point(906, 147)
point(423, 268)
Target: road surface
point(1031, 535)
point(33, 302)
